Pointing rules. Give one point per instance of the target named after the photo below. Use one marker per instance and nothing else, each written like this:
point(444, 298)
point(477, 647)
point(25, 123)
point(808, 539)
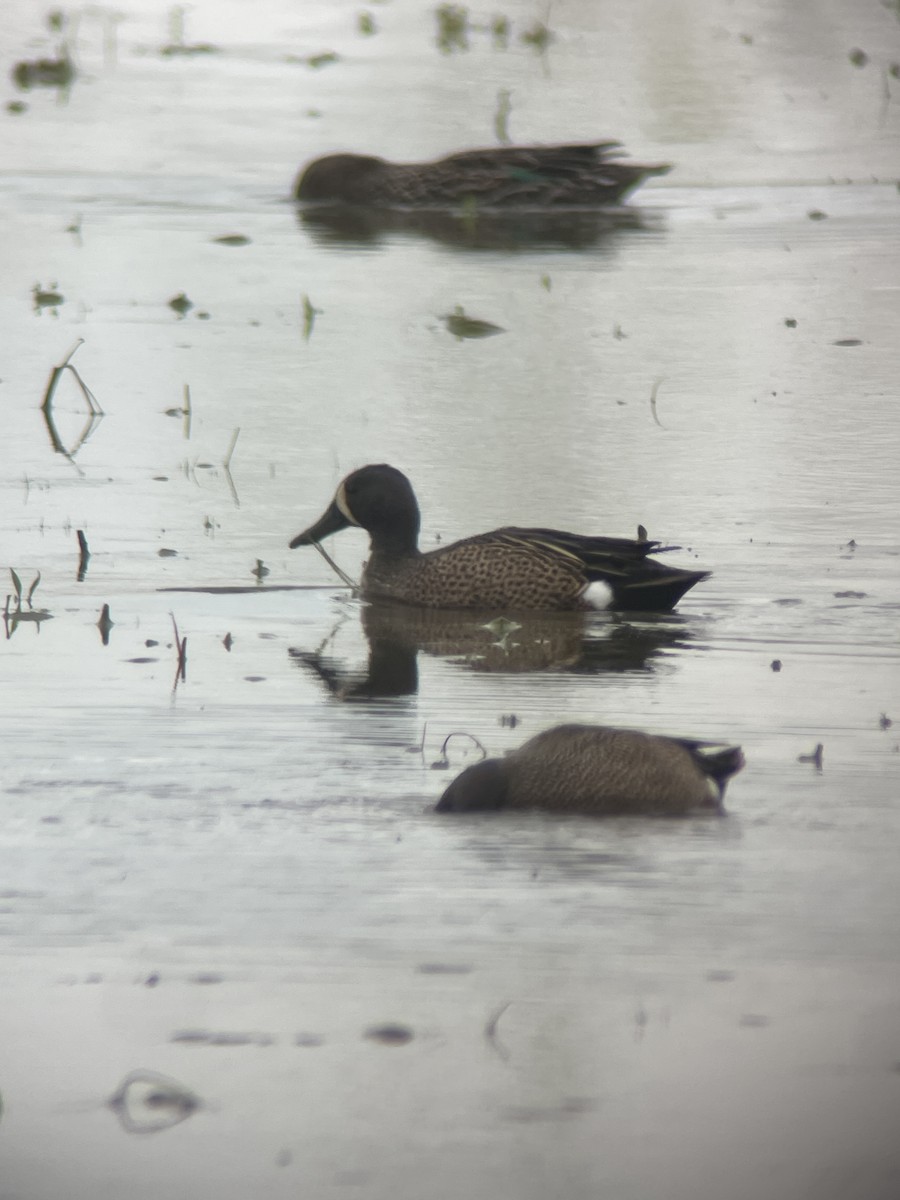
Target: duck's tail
point(716, 761)
point(652, 590)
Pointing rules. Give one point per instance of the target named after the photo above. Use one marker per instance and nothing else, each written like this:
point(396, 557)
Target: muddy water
point(232, 880)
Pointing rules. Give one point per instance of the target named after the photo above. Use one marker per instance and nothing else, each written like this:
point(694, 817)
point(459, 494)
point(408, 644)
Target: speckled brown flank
point(482, 572)
point(598, 770)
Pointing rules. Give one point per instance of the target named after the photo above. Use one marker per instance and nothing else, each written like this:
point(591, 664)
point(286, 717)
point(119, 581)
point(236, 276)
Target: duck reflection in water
point(352, 225)
point(572, 643)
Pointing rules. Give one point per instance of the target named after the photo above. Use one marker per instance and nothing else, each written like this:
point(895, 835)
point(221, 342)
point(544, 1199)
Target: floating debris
point(105, 624)
point(858, 57)
point(848, 342)
point(84, 554)
point(815, 758)
point(365, 23)
point(753, 1021)
point(13, 617)
point(310, 312)
point(452, 28)
point(46, 297)
point(538, 37)
point(462, 326)
point(884, 721)
point(232, 239)
point(389, 1035)
point(490, 1031)
point(500, 31)
point(791, 322)
point(180, 672)
point(203, 1037)
point(95, 412)
point(443, 763)
point(816, 214)
point(775, 664)
point(317, 61)
point(181, 304)
point(44, 72)
point(146, 1102)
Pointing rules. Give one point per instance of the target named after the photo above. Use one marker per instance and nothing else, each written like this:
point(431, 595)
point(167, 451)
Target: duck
point(598, 770)
point(573, 175)
point(506, 569)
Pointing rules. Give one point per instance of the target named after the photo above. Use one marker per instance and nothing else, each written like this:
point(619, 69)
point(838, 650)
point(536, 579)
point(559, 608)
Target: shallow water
point(233, 879)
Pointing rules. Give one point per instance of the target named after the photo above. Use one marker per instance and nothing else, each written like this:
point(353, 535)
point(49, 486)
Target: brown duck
point(580, 175)
point(509, 568)
point(598, 770)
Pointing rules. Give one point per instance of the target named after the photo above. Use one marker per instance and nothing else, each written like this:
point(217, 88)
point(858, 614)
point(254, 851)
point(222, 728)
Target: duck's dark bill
point(331, 521)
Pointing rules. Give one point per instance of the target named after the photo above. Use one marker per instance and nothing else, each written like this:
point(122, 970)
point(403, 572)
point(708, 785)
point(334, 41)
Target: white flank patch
point(597, 594)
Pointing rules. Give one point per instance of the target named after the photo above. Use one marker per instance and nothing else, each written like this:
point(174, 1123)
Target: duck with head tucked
point(598, 770)
point(508, 569)
point(579, 175)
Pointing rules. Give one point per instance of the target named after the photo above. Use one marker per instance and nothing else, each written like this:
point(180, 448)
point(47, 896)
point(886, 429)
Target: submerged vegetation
point(455, 25)
point(22, 609)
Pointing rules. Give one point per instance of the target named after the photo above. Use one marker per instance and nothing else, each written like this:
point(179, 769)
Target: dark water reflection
point(520, 643)
point(345, 225)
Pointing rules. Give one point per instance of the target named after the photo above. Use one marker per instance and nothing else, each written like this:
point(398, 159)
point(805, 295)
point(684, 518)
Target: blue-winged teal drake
point(598, 770)
point(566, 176)
point(506, 569)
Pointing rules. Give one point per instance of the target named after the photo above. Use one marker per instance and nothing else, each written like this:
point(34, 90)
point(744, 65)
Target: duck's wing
point(637, 581)
point(559, 160)
point(572, 174)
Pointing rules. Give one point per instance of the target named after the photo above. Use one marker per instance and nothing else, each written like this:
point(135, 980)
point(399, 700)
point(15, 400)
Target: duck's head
point(338, 178)
point(376, 498)
point(483, 787)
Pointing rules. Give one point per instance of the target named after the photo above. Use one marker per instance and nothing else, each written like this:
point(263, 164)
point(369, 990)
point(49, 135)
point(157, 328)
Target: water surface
point(233, 879)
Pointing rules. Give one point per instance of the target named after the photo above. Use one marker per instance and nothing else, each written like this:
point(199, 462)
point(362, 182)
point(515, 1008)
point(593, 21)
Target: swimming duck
point(598, 770)
point(565, 176)
point(509, 568)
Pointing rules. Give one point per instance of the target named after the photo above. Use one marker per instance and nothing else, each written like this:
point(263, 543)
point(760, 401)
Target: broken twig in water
point(83, 554)
point(653, 391)
point(444, 762)
point(490, 1031)
point(234, 437)
point(337, 570)
point(105, 624)
point(226, 467)
point(56, 375)
point(181, 647)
